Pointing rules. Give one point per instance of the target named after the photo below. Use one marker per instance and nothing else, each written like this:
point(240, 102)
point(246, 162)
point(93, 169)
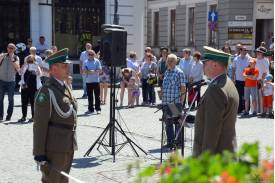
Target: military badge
point(41, 97)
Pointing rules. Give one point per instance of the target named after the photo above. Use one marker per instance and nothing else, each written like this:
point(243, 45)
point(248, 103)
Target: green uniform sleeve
point(42, 110)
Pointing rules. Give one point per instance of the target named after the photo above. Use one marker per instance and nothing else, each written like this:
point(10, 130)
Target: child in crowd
point(250, 74)
point(268, 96)
point(133, 91)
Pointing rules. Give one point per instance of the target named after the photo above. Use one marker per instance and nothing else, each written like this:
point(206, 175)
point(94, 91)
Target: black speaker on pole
point(113, 44)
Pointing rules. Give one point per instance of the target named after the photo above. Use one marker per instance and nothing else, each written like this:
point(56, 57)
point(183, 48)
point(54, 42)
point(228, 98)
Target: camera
point(24, 86)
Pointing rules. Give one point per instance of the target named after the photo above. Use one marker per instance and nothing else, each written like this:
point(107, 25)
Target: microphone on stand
point(198, 84)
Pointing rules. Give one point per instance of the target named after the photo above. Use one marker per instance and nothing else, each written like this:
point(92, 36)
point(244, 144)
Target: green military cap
point(58, 57)
point(216, 55)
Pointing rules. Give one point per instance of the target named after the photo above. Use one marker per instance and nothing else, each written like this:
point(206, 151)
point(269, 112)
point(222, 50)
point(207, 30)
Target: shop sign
point(240, 17)
point(241, 35)
point(264, 10)
point(240, 24)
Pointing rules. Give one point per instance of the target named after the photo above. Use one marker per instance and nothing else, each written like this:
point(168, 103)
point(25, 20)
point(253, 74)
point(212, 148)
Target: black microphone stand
point(185, 113)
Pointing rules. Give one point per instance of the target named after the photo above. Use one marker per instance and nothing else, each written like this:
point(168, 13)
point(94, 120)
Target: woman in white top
point(30, 82)
point(262, 65)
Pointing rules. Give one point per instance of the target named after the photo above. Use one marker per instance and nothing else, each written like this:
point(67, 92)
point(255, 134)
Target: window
point(15, 22)
point(212, 34)
point(78, 22)
point(191, 24)
point(172, 28)
point(156, 28)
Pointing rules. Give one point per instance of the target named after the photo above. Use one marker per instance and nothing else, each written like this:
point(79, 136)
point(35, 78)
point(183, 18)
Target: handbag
point(152, 80)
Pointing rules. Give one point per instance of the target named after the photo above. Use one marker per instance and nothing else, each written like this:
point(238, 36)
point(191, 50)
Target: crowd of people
point(253, 77)
point(45, 83)
point(27, 71)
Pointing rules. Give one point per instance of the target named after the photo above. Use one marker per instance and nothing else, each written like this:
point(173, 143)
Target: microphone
point(198, 83)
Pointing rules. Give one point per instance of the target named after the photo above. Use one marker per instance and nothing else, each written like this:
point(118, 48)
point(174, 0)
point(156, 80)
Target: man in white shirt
point(83, 57)
point(41, 47)
point(239, 64)
point(196, 75)
point(262, 65)
point(185, 65)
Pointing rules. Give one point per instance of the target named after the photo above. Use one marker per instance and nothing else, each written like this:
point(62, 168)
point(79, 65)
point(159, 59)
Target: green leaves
point(242, 166)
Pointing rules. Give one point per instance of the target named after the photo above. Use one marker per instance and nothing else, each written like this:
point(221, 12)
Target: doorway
point(15, 22)
point(264, 31)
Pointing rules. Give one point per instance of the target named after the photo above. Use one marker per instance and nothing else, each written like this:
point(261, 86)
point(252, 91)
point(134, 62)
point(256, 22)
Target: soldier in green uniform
point(54, 137)
point(217, 113)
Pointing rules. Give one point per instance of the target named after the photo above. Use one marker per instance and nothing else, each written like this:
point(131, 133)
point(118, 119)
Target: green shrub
point(243, 166)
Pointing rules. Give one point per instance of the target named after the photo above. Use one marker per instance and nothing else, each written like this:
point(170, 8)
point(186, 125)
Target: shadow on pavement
point(87, 115)
point(16, 123)
point(154, 151)
point(85, 162)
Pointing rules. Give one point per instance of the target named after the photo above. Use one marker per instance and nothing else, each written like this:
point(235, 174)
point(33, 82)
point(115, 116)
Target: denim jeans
point(9, 88)
point(84, 84)
point(171, 125)
point(148, 92)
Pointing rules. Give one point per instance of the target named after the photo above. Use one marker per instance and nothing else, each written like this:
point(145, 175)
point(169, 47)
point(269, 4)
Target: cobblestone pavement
point(16, 160)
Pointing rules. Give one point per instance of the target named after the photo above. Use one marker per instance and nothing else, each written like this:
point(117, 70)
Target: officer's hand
point(40, 158)
point(40, 161)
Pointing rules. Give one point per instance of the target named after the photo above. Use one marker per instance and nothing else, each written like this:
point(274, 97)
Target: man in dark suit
point(54, 138)
point(217, 112)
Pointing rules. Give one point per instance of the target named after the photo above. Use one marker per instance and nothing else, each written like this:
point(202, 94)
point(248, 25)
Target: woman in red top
point(250, 74)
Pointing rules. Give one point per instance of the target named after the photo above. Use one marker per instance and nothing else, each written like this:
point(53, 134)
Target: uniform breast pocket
point(59, 140)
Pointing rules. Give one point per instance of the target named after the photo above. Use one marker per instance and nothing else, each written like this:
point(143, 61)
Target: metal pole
point(116, 17)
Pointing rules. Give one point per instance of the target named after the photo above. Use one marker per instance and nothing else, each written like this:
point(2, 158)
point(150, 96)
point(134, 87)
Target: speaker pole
point(116, 16)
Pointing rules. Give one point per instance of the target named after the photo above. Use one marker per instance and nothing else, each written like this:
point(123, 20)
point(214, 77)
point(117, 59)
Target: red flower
point(268, 165)
point(168, 169)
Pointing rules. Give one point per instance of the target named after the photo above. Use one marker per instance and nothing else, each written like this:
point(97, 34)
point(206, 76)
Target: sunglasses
point(11, 48)
point(91, 54)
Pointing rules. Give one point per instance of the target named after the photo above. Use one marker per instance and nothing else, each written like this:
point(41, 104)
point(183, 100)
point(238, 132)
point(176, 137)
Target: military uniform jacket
point(216, 117)
point(51, 114)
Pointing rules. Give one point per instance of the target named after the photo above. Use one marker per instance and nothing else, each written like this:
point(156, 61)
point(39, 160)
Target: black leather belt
point(60, 125)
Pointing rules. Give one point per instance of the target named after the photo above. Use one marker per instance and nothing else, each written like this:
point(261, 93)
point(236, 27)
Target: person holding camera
point(250, 74)
point(30, 82)
point(9, 66)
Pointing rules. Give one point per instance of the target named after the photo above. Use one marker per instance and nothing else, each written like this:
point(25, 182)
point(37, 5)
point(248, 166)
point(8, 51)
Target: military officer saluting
point(54, 138)
point(217, 113)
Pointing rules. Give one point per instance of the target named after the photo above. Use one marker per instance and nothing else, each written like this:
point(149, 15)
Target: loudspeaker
point(113, 43)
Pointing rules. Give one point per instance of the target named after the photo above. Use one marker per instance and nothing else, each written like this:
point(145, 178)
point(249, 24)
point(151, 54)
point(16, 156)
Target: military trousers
point(57, 162)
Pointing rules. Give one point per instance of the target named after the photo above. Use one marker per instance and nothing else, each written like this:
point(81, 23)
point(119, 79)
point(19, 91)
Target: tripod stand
point(113, 126)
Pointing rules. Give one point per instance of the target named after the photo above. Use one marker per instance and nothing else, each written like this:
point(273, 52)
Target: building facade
point(195, 23)
point(69, 23)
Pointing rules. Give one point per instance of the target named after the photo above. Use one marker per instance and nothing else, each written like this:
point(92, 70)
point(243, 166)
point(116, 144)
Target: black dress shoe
point(168, 146)
point(8, 118)
point(22, 120)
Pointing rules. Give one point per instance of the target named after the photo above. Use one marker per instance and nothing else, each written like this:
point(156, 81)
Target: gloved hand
point(40, 160)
